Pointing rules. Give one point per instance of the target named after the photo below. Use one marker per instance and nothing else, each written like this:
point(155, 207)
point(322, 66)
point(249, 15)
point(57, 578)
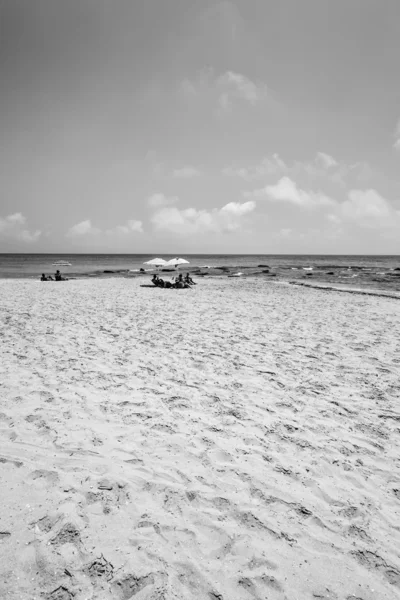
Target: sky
point(198, 126)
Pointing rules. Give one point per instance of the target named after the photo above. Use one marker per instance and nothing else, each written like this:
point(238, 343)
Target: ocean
point(377, 272)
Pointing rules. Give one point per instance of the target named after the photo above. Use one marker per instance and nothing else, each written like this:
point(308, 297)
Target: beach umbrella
point(156, 262)
point(177, 262)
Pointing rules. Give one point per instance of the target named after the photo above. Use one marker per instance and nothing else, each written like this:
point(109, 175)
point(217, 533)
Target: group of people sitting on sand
point(57, 277)
point(178, 283)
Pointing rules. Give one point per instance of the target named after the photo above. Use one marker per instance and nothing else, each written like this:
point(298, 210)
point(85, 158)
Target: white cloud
point(12, 227)
point(16, 218)
point(268, 166)
point(224, 90)
point(321, 167)
point(396, 144)
point(334, 219)
point(82, 228)
point(85, 228)
point(286, 190)
point(190, 221)
point(132, 226)
point(236, 86)
point(285, 232)
point(186, 172)
point(325, 160)
point(368, 208)
point(135, 225)
point(158, 199)
point(322, 164)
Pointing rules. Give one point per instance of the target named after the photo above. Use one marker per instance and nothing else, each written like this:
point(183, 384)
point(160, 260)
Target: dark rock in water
point(265, 271)
point(142, 270)
point(394, 274)
point(168, 270)
point(309, 274)
point(396, 269)
point(108, 271)
point(223, 268)
point(330, 273)
point(263, 266)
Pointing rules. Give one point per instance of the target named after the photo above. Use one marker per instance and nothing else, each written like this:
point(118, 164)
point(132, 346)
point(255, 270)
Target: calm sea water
point(382, 272)
point(32, 265)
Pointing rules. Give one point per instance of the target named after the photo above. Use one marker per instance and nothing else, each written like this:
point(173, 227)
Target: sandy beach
point(237, 441)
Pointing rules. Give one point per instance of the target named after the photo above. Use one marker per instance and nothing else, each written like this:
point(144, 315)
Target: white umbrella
point(156, 262)
point(176, 262)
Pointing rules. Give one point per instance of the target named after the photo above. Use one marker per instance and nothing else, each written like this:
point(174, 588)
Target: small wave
point(308, 268)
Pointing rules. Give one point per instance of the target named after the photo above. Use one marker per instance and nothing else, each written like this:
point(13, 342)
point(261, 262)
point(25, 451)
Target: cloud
point(186, 172)
point(16, 219)
point(325, 160)
point(12, 227)
point(224, 90)
point(367, 208)
point(235, 86)
point(85, 228)
point(158, 199)
point(132, 226)
point(268, 166)
point(287, 190)
point(82, 228)
point(285, 232)
point(190, 221)
point(396, 144)
point(322, 167)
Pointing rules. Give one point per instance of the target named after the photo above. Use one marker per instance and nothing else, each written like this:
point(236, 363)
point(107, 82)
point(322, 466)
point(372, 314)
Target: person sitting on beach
point(59, 277)
point(189, 280)
point(180, 283)
point(43, 277)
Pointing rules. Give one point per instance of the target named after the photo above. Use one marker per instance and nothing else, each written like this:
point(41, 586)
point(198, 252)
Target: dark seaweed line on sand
point(349, 291)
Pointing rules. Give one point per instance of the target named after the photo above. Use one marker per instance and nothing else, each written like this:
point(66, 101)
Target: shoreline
point(225, 273)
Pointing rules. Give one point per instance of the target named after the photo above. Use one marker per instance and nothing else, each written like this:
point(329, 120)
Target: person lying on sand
point(158, 282)
point(189, 280)
point(179, 283)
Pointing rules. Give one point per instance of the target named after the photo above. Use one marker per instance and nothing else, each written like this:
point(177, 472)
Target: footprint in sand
point(109, 493)
point(99, 570)
point(45, 477)
point(60, 593)
point(68, 534)
point(46, 523)
point(373, 561)
point(130, 585)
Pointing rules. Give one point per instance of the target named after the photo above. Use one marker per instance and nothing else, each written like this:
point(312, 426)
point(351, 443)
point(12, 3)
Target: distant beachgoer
point(43, 277)
point(59, 277)
point(189, 280)
point(154, 279)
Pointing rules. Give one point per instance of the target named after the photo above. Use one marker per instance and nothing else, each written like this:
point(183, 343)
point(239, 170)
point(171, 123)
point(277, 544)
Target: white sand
point(239, 441)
